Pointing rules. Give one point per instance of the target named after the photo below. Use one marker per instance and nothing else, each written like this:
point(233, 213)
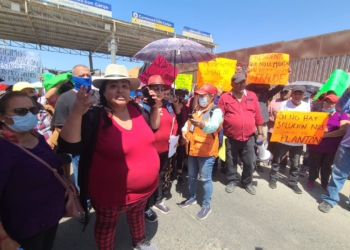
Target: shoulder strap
point(59, 178)
point(172, 127)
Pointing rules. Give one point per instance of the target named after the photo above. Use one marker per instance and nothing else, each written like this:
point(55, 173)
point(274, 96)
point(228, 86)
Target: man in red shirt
point(242, 117)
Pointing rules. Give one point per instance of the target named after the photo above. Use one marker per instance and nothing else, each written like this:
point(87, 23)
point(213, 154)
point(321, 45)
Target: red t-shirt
point(240, 118)
point(125, 163)
point(163, 133)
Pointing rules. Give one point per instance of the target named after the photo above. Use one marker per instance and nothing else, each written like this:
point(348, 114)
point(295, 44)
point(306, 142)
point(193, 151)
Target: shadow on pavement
point(70, 234)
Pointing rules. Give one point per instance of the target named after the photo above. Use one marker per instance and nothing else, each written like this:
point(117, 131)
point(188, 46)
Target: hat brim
point(329, 98)
point(201, 92)
point(134, 82)
point(294, 90)
point(167, 87)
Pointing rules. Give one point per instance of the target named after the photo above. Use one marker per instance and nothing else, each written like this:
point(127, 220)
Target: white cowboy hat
point(117, 72)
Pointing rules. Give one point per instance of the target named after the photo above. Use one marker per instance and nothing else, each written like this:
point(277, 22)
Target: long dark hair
point(7, 97)
point(103, 101)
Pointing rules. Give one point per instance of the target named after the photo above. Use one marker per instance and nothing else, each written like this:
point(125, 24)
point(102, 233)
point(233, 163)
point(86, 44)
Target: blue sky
point(234, 24)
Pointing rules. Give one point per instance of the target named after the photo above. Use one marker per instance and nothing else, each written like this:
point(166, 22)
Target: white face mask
point(203, 101)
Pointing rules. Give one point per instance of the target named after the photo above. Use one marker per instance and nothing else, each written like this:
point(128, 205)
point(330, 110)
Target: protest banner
point(184, 81)
point(161, 67)
point(217, 73)
point(299, 127)
point(19, 66)
point(338, 82)
point(269, 68)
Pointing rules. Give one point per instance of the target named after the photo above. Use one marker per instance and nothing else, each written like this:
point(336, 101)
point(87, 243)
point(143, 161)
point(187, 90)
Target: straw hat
point(116, 72)
point(22, 85)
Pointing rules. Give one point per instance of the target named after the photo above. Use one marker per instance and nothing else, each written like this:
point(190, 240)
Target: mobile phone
point(190, 116)
point(150, 101)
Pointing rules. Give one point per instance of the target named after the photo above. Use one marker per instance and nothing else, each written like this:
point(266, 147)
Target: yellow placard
point(222, 150)
point(299, 127)
point(184, 81)
point(217, 73)
point(269, 68)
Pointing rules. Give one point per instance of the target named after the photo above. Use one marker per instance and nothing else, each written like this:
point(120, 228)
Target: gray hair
point(78, 65)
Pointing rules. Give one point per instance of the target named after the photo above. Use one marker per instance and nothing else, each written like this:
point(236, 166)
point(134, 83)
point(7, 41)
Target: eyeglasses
point(162, 89)
point(24, 111)
point(329, 102)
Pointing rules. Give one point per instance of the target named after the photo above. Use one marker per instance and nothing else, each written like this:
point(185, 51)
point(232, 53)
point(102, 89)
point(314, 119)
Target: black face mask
point(34, 98)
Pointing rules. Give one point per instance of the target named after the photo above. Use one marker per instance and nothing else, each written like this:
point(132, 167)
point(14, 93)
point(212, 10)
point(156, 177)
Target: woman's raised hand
point(82, 103)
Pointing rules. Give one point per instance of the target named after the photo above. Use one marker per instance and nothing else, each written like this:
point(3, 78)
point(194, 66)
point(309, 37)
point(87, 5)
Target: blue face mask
point(203, 101)
point(23, 123)
point(186, 97)
point(328, 110)
point(80, 81)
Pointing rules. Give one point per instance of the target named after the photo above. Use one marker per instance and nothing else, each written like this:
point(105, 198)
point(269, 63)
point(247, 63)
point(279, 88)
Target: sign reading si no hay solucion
point(152, 22)
point(19, 66)
point(299, 127)
point(89, 6)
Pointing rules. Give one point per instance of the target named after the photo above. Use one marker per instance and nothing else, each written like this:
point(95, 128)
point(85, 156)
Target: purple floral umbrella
point(175, 50)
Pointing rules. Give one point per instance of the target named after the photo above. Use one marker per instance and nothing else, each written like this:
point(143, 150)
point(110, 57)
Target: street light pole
point(113, 50)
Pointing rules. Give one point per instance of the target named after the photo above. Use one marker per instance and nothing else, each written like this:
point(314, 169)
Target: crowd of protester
point(119, 148)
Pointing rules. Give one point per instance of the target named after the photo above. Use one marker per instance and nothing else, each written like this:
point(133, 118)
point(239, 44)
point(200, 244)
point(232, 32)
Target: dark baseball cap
point(299, 88)
point(238, 78)
point(287, 88)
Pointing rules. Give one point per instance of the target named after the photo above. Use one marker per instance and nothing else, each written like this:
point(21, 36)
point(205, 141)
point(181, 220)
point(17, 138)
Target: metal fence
point(318, 69)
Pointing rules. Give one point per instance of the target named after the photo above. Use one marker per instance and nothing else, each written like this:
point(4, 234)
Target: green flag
point(338, 82)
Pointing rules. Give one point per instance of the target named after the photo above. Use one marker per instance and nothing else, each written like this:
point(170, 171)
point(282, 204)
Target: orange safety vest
point(200, 143)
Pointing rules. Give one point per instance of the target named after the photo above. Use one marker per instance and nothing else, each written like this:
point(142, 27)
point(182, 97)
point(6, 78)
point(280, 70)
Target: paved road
point(272, 219)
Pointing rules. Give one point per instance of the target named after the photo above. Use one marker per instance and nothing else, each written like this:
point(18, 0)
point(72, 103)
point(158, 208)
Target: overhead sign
point(161, 67)
point(217, 73)
point(197, 34)
point(19, 66)
point(184, 81)
point(90, 6)
point(299, 127)
point(152, 22)
point(272, 68)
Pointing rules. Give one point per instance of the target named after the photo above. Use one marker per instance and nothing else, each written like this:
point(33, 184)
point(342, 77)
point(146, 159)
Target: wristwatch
point(260, 134)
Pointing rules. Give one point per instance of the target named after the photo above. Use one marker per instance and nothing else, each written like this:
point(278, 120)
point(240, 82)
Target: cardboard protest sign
point(184, 81)
point(269, 68)
point(338, 82)
point(161, 67)
point(217, 73)
point(299, 127)
point(19, 66)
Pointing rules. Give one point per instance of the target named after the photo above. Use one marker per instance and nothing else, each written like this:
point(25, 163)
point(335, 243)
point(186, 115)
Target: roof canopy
point(48, 27)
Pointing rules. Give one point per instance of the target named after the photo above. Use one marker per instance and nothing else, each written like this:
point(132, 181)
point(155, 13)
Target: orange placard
point(269, 68)
point(217, 73)
point(299, 127)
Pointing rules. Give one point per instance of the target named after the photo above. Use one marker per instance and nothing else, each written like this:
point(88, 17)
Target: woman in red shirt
point(169, 114)
point(110, 169)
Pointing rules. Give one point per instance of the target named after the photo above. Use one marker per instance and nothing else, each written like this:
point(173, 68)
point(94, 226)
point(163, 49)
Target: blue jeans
point(75, 162)
point(340, 172)
point(204, 167)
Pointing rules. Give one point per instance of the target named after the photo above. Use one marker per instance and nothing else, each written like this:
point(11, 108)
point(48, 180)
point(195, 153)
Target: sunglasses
point(24, 111)
point(162, 89)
